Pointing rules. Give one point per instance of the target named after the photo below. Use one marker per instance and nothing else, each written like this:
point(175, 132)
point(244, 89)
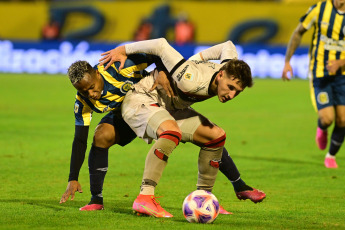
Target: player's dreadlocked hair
point(77, 69)
point(240, 70)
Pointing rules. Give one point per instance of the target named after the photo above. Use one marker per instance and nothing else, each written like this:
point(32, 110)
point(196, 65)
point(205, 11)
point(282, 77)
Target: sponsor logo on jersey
point(198, 62)
point(212, 65)
point(322, 98)
point(181, 73)
point(198, 89)
point(127, 85)
point(76, 108)
point(324, 24)
point(188, 76)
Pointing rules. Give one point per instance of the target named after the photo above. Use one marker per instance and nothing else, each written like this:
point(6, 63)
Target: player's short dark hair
point(240, 70)
point(77, 70)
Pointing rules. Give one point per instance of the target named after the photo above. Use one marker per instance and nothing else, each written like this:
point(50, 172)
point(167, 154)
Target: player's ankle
point(96, 200)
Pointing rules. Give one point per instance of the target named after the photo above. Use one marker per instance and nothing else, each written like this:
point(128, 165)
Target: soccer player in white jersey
point(169, 120)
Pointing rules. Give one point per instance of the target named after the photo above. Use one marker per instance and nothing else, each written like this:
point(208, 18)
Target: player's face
point(90, 86)
point(228, 87)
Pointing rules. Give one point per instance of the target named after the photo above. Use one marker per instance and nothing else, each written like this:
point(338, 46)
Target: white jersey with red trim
point(191, 78)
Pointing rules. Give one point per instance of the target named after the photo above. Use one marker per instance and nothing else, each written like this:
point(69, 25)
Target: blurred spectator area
point(183, 22)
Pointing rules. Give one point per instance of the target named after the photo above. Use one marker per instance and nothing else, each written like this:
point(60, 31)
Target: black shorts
point(125, 132)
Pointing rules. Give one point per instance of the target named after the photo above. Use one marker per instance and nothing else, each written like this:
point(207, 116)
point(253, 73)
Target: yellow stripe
point(313, 14)
point(335, 34)
point(86, 112)
point(129, 71)
point(321, 49)
point(312, 92)
point(113, 97)
point(109, 78)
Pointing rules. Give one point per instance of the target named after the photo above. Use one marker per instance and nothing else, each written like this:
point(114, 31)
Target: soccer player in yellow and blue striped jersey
point(100, 91)
point(326, 70)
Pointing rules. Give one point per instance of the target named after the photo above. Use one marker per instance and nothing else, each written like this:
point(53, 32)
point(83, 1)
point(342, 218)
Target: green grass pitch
point(270, 135)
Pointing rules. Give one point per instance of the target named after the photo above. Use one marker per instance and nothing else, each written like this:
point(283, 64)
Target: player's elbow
point(162, 42)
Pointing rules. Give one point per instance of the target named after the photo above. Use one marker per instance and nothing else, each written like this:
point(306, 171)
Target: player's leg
point(325, 119)
point(322, 100)
point(150, 121)
point(338, 133)
point(337, 137)
point(111, 130)
point(169, 136)
point(242, 190)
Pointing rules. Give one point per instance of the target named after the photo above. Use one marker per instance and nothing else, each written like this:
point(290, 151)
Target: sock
point(228, 167)
point(329, 156)
point(240, 185)
point(208, 163)
point(319, 124)
point(157, 159)
point(337, 140)
point(98, 167)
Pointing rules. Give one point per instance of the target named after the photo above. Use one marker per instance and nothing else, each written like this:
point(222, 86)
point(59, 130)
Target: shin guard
point(209, 160)
point(157, 159)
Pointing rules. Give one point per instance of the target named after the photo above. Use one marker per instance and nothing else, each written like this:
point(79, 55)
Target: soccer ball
point(200, 206)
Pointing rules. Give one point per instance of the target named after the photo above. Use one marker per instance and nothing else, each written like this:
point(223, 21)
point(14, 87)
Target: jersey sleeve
point(159, 47)
point(223, 51)
point(310, 17)
point(82, 112)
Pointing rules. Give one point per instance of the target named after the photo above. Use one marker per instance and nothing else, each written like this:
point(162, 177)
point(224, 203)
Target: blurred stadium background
point(47, 36)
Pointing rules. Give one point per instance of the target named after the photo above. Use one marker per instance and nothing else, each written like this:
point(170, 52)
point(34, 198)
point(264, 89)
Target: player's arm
point(77, 159)
point(159, 47)
point(83, 115)
point(224, 52)
point(162, 78)
point(294, 42)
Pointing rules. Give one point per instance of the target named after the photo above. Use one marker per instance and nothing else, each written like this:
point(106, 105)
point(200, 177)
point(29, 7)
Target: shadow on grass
point(50, 204)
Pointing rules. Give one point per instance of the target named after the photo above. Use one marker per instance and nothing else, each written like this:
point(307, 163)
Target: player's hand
point(287, 72)
point(114, 55)
point(333, 65)
point(162, 80)
point(72, 187)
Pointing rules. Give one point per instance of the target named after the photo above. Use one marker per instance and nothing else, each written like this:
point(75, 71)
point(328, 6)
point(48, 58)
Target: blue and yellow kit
point(328, 43)
point(328, 39)
point(116, 85)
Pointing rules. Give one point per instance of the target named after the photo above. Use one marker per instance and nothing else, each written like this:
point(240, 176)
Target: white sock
point(147, 190)
point(330, 156)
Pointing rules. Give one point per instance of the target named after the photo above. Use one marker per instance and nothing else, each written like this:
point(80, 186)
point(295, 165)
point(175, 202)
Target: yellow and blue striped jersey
point(328, 39)
point(116, 85)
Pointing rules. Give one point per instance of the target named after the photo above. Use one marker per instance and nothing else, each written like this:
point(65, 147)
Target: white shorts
point(144, 114)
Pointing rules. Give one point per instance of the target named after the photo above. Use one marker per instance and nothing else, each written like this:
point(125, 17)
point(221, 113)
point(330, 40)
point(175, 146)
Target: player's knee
point(326, 120)
point(217, 138)
point(169, 126)
point(104, 137)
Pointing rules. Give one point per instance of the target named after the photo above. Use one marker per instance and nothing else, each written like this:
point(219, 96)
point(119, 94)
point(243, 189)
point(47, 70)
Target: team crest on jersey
point(188, 76)
point(105, 109)
point(127, 85)
point(76, 108)
point(322, 98)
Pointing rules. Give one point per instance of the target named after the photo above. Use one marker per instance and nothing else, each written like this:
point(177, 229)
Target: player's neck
point(213, 87)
